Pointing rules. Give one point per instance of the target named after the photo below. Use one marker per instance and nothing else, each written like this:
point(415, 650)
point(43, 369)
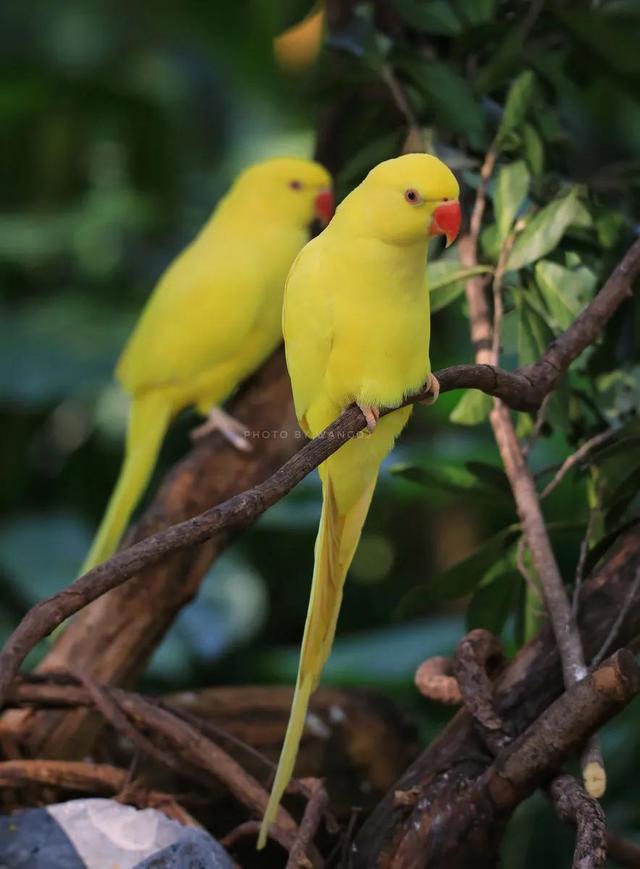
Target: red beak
point(325, 206)
point(446, 221)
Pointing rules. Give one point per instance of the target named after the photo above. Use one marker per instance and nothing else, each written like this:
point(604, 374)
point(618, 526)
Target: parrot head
point(407, 199)
point(287, 189)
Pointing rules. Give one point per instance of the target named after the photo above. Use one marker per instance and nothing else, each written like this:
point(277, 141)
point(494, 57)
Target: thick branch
point(530, 683)
point(528, 761)
point(457, 827)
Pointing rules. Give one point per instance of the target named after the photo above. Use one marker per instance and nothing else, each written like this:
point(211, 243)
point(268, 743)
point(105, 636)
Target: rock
point(102, 834)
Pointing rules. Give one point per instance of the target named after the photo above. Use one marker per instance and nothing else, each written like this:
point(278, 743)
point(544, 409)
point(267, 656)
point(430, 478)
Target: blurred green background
point(122, 124)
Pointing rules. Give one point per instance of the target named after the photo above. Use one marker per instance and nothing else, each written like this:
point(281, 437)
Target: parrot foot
point(433, 387)
point(371, 414)
point(232, 430)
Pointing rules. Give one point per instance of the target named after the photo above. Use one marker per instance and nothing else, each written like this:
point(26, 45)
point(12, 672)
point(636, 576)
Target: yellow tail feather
point(336, 543)
point(148, 421)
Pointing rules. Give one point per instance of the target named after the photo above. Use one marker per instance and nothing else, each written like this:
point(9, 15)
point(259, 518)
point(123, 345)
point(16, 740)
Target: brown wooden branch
point(528, 686)
point(478, 659)
point(574, 805)
point(188, 749)
point(456, 827)
point(476, 656)
point(341, 741)
point(546, 371)
point(532, 758)
point(94, 778)
point(522, 388)
point(316, 806)
point(434, 679)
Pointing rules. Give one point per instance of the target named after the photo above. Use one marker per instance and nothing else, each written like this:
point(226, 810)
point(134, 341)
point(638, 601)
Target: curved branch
point(524, 389)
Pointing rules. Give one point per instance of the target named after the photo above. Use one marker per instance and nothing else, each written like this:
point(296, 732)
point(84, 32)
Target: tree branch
point(573, 804)
point(459, 823)
point(92, 777)
point(457, 757)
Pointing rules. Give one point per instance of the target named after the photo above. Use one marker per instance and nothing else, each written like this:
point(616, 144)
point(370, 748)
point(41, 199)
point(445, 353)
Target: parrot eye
point(295, 185)
point(412, 196)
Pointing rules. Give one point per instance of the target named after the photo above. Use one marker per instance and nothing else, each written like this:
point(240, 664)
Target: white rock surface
point(104, 834)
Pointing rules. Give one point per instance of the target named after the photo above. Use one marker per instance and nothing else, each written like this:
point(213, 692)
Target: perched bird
point(356, 328)
point(214, 316)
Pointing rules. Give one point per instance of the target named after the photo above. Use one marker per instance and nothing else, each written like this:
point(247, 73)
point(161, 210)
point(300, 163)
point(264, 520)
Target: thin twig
point(434, 679)
point(575, 458)
point(252, 828)
point(92, 777)
point(498, 305)
point(415, 137)
point(113, 714)
point(615, 627)
point(478, 659)
point(574, 805)
point(582, 561)
point(197, 756)
point(530, 579)
point(515, 463)
point(537, 427)
point(315, 808)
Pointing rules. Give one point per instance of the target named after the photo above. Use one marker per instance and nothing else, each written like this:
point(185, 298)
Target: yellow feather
point(148, 420)
point(356, 326)
point(213, 318)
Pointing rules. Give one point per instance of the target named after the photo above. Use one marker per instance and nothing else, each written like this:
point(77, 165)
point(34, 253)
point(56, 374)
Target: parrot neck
point(266, 229)
point(257, 214)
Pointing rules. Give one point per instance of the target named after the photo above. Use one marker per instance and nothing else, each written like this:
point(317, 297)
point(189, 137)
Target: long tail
point(336, 543)
point(148, 421)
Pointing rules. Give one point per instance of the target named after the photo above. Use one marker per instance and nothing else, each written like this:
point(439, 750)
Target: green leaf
point(429, 16)
point(517, 104)
point(451, 97)
point(533, 332)
point(476, 12)
point(366, 157)
point(565, 291)
point(607, 41)
point(491, 602)
point(489, 242)
point(511, 190)
point(501, 63)
point(473, 408)
point(477, 479)
point(609, 227)
point(450, 477)
point(490, 559)
point(446, 279)
point(533, 149)
point(491, 475)
point(545, 229)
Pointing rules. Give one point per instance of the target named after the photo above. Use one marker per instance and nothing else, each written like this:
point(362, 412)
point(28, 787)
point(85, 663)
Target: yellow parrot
point(356, 326)
point(214, 316)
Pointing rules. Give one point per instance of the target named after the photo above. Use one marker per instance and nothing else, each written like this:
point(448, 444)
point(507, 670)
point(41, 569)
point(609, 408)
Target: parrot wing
point(201, 311)
point(307, 325)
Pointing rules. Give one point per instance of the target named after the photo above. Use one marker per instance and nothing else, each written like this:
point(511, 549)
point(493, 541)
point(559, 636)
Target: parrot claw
point(232, 430)
point(371, 414)
point(433, 387)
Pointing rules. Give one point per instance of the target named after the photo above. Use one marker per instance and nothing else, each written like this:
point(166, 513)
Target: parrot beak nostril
point(446, 221)
point(324, 205)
